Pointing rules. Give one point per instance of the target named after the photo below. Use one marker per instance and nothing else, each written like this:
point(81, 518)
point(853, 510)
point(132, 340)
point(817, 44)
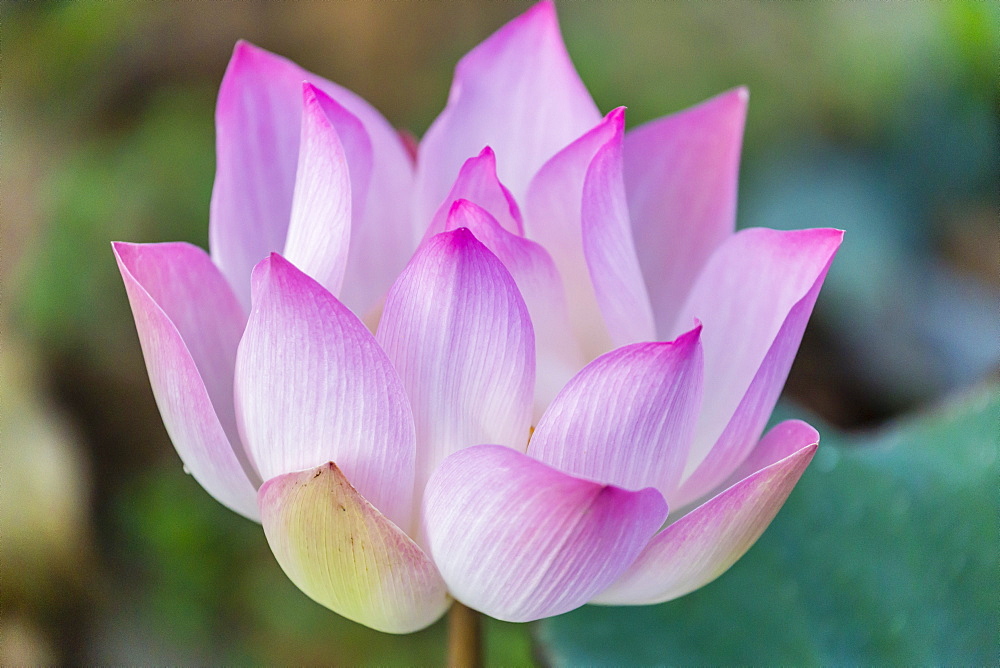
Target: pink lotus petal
point(754, 298)
point(517, 92)
point(781, 441)
point(558, 355)
point(477, 182)
point(257, 144)
point(320, 229)
point(681, 176)
point(258, 129)
point(627, 419)
point(552, 217)
point(457, 330)
point(313, 386)
point(703, 544)
point(346, 555)
point(519, 540)
point(610, 251)
point(189, 325)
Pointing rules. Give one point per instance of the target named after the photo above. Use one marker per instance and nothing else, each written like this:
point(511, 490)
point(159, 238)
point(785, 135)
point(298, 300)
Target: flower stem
point(465, 647)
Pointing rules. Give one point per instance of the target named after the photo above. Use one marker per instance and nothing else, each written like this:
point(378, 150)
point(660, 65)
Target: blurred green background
point(879, 118)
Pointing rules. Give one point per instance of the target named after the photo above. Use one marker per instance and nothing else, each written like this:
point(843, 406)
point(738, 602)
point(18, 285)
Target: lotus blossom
point(569, 338)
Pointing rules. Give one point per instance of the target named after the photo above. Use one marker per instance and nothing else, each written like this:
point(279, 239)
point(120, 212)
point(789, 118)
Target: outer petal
point(189, 325)
point(781, 441)
point(627, 419)
point(477, 182)
point(519, 540)
point(681, 175)
point(257, 124)
point(558, 355)
point(517, 92)
point(313, 386)
point(458, 331)
point(703, 544)
point(754, 298)
point(553, 218)
point(320, 229)
point(341, 551)
point(610, 251)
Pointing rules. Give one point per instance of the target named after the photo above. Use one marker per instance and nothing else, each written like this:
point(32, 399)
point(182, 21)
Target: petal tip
point(690, 337)
point(121, 247)
point(462, 207)
point(739, 97)
point(244, 55)
point(544, 11)
point(616, 117)
point(459, 237)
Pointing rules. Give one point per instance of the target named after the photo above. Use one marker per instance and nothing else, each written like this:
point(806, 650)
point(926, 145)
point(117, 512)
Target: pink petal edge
point(628, 417)
point(189, 323)
point(519, 540)
point(702, 545)
point(754, 298)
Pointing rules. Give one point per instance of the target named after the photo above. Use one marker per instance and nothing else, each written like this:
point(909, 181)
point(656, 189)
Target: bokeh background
point(879, 118)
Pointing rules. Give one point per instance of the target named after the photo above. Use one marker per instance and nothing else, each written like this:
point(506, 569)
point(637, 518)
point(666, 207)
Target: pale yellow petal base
point(345, 555)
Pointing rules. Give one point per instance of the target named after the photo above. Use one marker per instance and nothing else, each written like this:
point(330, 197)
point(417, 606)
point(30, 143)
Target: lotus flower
point(569, 336)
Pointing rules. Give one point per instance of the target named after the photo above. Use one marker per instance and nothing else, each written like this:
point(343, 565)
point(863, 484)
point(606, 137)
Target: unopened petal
point(477, 182)
point(257, 145)
point(754, 299)
point(703, 544)
point(320, 229)
point(558, 353)
point(681, 175)
point(628, 417)
point(189, 325)
point(519, 540)
point(313, 386)
point(457, 329)
point(346, 555)
point(258, 120)
point(516, 92)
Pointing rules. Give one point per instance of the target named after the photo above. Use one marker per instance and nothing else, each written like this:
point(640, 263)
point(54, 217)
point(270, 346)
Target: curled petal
point(346, 555)
point(627, 418)
point(703, 544)
point(552, 217)
point(519, 540)
point(531, 267)
point(517, 92)
point(458, 331)
point(189, 325)
point(320, 229)
point(781, 441)
point(313, 386)
point(681, 174)
point(610, 251)
point(754, 298)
